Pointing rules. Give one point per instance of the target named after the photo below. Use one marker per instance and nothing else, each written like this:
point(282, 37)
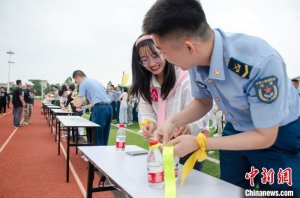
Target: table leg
point(59, 129)
point(76, 139)
point(55, 137)
point(46, 113)
point(52, 118)
point(90, 180)
point(73, 134)
point(94, 135)
point(68, 154)
point(49, 117)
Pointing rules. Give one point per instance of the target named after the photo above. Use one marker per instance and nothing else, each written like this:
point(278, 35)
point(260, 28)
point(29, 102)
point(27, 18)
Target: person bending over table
point(247, 79)
point(95, 92)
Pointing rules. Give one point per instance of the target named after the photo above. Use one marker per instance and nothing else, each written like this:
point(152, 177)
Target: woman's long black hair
point(141, 77)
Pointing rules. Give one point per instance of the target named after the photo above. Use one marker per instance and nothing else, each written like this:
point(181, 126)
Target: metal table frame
point(74, 128)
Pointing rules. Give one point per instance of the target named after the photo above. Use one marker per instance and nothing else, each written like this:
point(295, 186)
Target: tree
point(38, 86)
point(69, 81)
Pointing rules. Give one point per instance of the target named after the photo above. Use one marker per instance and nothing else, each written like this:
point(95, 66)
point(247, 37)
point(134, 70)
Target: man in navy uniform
point(246, 78)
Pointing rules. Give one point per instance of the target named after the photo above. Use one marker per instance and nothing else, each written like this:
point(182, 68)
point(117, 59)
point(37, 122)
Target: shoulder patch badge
point(239, 68)
point(267, 89)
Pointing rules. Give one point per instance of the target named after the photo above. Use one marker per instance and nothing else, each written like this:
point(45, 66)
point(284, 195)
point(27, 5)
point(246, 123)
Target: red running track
point(30, 166)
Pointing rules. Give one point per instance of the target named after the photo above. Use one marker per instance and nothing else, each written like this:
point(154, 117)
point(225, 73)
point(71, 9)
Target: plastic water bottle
point(121, 138)
point(155, 166)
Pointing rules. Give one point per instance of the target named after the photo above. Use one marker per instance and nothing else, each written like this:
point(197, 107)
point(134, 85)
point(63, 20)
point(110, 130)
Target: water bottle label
point(120, 144)
point(155, 177)
point(176, 171)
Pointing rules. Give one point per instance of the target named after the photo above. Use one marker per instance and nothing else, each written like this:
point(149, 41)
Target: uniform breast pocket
point(240, 103)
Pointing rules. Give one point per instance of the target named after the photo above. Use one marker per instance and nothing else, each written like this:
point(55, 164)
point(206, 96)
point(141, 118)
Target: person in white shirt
point(163, 90)
point(123, 118)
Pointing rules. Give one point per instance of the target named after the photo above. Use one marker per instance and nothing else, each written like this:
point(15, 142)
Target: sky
point(52, 38)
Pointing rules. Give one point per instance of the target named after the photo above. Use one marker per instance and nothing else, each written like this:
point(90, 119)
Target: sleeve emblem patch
point(267, 89)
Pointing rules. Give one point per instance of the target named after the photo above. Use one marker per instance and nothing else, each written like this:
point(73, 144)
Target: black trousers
point(3, 107)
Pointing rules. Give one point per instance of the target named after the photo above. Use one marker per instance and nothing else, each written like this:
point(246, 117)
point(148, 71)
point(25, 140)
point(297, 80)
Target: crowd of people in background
point(124, 103)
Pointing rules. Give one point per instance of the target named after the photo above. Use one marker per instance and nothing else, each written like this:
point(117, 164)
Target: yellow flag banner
point(198, 155)
point(125, 78)
point(170, 181)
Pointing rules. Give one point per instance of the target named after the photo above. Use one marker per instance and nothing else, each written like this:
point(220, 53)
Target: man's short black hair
point(295, 80)
point(61, 92)
point(72, 87)
point(176, 18)
point(78, 73)
point(18, 82)
point(64, 87)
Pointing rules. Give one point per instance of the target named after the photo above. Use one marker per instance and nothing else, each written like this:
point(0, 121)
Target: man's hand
point(184, 145)
point(165, 132)
point(148, 130)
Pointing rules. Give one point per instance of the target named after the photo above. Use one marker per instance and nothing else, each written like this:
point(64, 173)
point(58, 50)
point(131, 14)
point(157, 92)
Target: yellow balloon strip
point(198, 155)
point(170, 181)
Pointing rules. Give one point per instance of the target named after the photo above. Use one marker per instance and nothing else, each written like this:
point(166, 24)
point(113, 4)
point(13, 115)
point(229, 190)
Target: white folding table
point(57, 112)
point(129, 173)
point(72, 122)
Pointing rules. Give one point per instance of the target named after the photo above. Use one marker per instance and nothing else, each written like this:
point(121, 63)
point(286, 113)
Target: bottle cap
point(153, 142)
point(121, 125)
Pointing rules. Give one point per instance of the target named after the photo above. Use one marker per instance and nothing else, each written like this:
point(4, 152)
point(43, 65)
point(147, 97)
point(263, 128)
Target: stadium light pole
point(9, 62)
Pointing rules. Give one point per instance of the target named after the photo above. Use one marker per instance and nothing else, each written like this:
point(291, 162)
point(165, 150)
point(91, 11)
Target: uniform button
point(226, 113)
point(217, 99)
point(210, 81)
point(234, 122)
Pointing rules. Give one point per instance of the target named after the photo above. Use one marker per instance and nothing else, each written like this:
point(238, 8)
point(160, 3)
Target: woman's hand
point(148, 131)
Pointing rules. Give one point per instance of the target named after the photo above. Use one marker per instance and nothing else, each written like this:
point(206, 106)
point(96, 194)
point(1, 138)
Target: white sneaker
point(25, 123)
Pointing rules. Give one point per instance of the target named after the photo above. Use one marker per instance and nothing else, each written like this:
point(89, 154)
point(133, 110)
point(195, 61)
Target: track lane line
point(80, 185)
point(5, 114)
point(9, 138)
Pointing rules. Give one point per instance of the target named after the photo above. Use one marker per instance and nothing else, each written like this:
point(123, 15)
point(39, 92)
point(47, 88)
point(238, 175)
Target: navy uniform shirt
point(247, 79)
point(94, 91)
